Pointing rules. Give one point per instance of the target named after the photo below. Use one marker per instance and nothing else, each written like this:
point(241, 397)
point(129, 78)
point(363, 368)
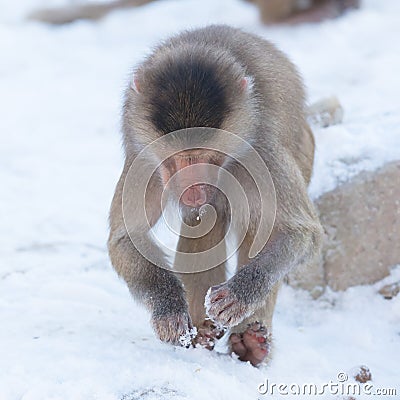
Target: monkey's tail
point(325, 112)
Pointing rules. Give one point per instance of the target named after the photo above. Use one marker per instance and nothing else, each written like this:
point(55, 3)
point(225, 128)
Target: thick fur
point(193, 79)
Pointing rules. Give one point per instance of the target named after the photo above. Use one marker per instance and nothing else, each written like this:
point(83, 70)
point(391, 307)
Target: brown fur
point(271, 116)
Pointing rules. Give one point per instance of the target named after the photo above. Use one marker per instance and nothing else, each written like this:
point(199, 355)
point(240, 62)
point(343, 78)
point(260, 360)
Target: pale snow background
point(69, 329)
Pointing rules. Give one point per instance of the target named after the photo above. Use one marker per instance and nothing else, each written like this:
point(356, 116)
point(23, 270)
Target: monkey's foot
point(208, 334)
point(252, 345)
point(175, 329)
point(223, 307)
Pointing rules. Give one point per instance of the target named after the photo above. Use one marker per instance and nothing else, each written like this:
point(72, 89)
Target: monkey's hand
point(176, 329)
point(224, 307)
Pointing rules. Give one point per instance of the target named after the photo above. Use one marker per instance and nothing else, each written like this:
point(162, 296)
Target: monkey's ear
point(135, 85)
point(246, 84)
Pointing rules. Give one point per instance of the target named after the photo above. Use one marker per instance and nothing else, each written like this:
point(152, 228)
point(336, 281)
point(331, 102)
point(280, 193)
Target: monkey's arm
point(295, 239)
point(158, 289)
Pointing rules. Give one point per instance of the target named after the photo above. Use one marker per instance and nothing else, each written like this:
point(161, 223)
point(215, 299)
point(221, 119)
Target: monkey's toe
point(237, 345)
point(208, 334)
point(252, 345)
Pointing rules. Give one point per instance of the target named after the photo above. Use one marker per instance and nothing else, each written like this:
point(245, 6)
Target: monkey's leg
point(196, 284)
point(251, 340)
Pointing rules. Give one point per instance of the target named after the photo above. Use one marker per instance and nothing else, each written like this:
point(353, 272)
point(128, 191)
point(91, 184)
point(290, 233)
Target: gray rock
point(361, 219)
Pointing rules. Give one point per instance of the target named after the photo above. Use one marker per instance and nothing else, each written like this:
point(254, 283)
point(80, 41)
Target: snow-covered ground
point(68, 326)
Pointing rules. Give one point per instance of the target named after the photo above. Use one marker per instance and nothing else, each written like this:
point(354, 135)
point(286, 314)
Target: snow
point(69, 328)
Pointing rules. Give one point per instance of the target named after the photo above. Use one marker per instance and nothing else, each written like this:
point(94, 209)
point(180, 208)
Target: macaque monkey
point(219, 77)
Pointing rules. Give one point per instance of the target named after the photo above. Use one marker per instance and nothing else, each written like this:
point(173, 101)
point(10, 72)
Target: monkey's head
point(189, 87)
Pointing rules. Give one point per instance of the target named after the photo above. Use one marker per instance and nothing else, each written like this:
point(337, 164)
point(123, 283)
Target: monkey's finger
point(229, 318)
point(216, 308)
point(218, 292)
point(226, 311)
